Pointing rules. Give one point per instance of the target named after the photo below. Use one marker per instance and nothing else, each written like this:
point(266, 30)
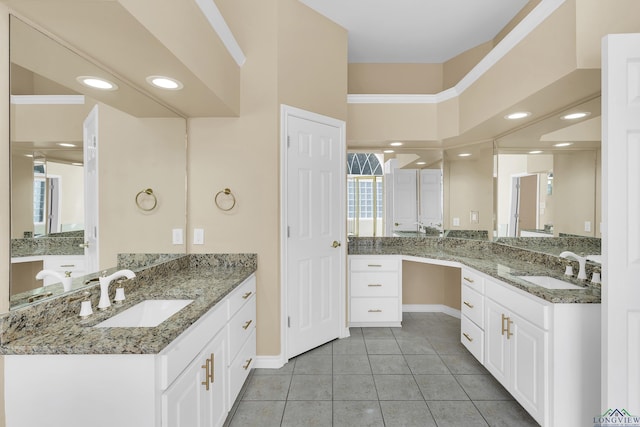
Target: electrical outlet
point(456, 222)
point(587, 226)
point(177, 237)
point(198, 236)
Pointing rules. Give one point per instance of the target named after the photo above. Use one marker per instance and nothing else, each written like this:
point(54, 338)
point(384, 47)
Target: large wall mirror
point(548, 176)
point(82, 162)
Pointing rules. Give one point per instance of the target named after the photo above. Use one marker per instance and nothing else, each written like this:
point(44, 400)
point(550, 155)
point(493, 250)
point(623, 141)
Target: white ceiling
point(416, 31)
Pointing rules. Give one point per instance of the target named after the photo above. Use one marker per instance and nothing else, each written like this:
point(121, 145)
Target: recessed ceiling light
point(396, 144)
point(464, 154)
point(164, 82)
point(66, 144)
point(421, 163)
point(574, 116)
point(517, 115)
point(535, 152)
point(388, 151)
point(563, 144)
point(97, 83)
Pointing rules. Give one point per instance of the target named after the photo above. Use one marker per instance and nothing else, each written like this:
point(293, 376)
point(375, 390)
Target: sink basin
point(146, 314)
point(549, 282)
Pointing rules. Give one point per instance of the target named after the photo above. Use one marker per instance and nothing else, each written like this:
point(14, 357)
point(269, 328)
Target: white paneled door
point(90, 141)
point(314, 221)
point(621, 223)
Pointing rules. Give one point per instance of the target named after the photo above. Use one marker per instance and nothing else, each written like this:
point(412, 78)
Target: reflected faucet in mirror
point(66, 279)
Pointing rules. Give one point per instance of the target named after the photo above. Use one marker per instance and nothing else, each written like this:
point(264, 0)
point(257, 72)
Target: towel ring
point(148, 192)
point(225, 192)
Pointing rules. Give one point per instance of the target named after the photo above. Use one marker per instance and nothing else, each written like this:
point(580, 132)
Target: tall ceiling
point(416, 31)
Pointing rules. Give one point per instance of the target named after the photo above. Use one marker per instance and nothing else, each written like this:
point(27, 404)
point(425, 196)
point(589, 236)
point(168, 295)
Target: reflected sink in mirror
point(146, 314)
point(549, 282)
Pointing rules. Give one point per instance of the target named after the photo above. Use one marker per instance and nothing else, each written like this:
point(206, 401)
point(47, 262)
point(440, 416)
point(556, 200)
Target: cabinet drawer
point(374, 264)
point(64, 263)
point(472, 337)
point(473, 306)
point(184, 349)
point(241, 326)
point(531, 308)
point(370, 284)
point(241, 295)
point(374, 310)
point(473, 280)
point(240, 368)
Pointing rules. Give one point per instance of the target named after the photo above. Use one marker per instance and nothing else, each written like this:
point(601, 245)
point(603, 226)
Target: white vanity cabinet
point(472, 313)
point(75, 264)
point(191, 382)
point(375, 291)
point(545, 354)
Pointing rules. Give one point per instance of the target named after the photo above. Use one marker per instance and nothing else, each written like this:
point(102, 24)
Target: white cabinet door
point(405, 203)
point(528, 374)
point(496, 344)
point(197, 397)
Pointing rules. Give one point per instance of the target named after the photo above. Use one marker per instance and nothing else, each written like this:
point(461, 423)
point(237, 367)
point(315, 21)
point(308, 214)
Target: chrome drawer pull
point(374, 265)
point(247, 295)
point(374, 285)
point(67, 265)
point(245, 367)
point(467, 336)
point(468, 280)
point(468, 305)
point(375, 311)
point(246, 325)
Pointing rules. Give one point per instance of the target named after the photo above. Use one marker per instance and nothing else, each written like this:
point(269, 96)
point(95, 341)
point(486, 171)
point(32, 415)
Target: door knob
point(335, 244)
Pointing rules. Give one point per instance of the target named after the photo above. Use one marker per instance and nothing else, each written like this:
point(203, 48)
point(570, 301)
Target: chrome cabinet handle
point(468, 305)
point(375, 311)
point(469, 279)
point(247, 295)
point(246, 325)
point(375, 285)
point(245, 367)
point(467, 336)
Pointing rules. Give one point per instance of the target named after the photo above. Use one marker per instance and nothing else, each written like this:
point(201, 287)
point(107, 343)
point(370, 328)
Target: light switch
point(177, 237)
point(474, 217)
point(198, 236)
point(587, 226)
point(456, 222)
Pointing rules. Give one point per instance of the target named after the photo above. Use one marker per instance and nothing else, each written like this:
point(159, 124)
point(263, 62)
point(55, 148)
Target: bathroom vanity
point(186, 371)
point(542, 345)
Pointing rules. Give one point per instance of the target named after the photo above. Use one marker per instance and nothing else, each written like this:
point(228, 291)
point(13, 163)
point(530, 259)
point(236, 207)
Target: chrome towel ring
point(140, 201)
point(227, 202)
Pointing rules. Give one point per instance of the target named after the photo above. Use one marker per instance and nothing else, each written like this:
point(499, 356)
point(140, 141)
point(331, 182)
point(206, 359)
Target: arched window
point(363, 164)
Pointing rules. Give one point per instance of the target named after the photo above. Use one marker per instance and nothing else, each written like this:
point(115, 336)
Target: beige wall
point(468, 186)
point(288, 64)
point(457, 67)
point(4, 184)
point(430, 284)
point(395, 78)
point(392, 122)
point(135, 154)
point(575, 199)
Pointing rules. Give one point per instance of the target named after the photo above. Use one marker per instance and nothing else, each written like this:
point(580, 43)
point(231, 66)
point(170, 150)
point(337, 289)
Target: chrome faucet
point(105, 281)
point(582, 262)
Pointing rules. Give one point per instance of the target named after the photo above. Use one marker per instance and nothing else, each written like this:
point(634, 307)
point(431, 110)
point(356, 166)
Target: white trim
point(287, 111)
point(431, 308)
point(47, 99)
point(219, 25)
point(515, 36)
point(269, 362)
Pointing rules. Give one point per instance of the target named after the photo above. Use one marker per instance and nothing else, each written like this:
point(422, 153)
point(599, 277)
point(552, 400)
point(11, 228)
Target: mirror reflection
point(77, 163)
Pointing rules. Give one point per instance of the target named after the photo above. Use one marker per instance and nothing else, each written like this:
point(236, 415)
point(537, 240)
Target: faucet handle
point(568, 271)
point(85, 306)
point(119, 298)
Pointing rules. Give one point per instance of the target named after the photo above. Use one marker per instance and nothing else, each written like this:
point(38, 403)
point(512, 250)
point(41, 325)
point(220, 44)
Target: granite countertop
point(504, 266)
point(206, 285)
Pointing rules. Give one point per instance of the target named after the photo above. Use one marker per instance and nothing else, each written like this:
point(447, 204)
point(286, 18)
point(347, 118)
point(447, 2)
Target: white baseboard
point(269, 362)
point(431, 308)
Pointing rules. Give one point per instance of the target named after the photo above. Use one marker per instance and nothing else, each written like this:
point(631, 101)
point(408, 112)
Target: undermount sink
point(146, 314)
point(549, 282)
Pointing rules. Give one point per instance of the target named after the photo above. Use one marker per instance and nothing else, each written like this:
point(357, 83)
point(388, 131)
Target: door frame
point(286, 112)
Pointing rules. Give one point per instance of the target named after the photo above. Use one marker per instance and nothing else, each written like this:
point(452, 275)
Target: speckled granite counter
point(204, 278)
point(41, 246)
point(499, 261)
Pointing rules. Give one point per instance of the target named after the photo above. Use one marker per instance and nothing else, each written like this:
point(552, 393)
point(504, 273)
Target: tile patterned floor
point(417, 375)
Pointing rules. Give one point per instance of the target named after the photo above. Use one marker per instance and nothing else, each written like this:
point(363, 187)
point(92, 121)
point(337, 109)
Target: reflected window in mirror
point(365, 195)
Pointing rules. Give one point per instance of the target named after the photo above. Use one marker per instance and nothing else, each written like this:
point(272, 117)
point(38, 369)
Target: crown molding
point(219, 25)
